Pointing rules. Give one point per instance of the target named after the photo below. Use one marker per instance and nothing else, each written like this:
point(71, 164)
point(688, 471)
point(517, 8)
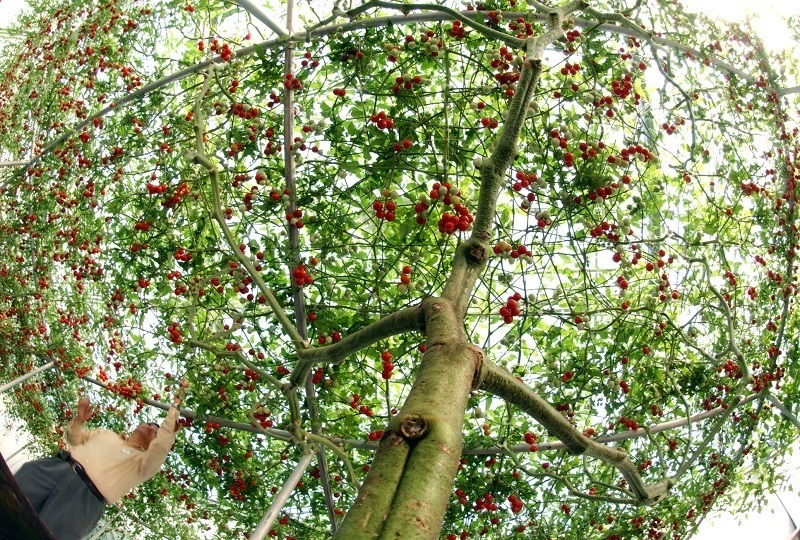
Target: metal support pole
point(27, 376)
point(261, 531)
point(17, 451)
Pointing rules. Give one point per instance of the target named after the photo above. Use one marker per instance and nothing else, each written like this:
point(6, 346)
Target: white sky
point(772, 523)
point(9, 10)
point(766, 19)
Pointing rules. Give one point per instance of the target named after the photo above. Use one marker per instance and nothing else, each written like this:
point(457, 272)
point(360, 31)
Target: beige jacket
point(115, 467)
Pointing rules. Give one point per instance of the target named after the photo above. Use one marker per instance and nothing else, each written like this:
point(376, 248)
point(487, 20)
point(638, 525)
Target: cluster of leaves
point(644, 240)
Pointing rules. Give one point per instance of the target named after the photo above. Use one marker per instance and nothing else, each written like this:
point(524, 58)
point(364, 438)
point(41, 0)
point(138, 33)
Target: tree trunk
point(407, 489)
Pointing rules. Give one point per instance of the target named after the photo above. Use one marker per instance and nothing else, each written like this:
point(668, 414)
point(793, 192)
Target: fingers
point(181, 393)
point(85, 409)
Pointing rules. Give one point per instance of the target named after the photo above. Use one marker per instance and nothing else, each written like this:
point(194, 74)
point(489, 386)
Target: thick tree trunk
point(407, 490)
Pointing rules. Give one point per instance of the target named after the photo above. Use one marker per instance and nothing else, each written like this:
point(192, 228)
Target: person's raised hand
point(181, 393)
point(85, 410)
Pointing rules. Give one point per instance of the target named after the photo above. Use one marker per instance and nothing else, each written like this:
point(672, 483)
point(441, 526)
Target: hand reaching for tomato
point(180, 395)
point(85, 411)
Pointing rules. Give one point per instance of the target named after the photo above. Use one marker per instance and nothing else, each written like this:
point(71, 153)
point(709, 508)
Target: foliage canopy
point(570, 229)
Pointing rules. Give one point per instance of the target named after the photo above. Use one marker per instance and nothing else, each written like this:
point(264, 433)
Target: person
point(70, 491)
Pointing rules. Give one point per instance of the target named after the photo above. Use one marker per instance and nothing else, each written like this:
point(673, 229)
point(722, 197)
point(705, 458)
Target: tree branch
point(204, 160)
point(500, 382)
point(511, 41)
point(280, 434)
point(323, 31)
point(405, 320)
point(571, 488)
point(259, 13)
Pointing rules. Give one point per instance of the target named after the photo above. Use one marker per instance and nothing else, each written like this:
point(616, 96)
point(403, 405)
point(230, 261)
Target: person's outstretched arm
point(75, 433)
point(157, 453)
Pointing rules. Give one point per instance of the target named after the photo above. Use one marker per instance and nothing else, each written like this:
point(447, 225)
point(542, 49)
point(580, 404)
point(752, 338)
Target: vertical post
point(261, 531)
point(25, 377)
point(294, 248)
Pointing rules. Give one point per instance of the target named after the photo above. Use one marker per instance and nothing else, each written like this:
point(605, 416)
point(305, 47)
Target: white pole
point(25, 377)
point(261, 531)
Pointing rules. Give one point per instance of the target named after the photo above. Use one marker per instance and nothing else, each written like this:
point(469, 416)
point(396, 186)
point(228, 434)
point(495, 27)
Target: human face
point(146, 433)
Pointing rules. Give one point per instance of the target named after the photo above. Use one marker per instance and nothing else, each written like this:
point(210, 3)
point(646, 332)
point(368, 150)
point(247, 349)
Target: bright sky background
point(767, 20)
point(772, 523)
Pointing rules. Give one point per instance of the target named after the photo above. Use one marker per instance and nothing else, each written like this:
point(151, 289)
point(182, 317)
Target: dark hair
point(153, 424)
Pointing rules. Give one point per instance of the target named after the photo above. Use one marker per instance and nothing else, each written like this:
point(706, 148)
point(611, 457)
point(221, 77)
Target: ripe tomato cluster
point(309, 61)
point(154, 189)
point(522, 181)
point(301, 276)
point(511, 309)
point(143, 225)
point(294, 218)
point(522, 27)
point(125, 388)
point(355, 403)
point(292, 82)
point(384, 210)
point(450, 195)
point(382, 121)
point(457, 30)
point(530, 438)
point(175, 334)
point(450, 223)
point(182, 255)
point(388, 366)
point(224, 50)
point(489, 122)
point(516, 503)
point(419, 210)
point(405, 144)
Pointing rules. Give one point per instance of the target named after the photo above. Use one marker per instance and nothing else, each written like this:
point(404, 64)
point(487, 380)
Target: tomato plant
point(508, 269)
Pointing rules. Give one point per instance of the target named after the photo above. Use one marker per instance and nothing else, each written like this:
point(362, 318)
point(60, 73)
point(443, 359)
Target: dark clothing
point(63, 500)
